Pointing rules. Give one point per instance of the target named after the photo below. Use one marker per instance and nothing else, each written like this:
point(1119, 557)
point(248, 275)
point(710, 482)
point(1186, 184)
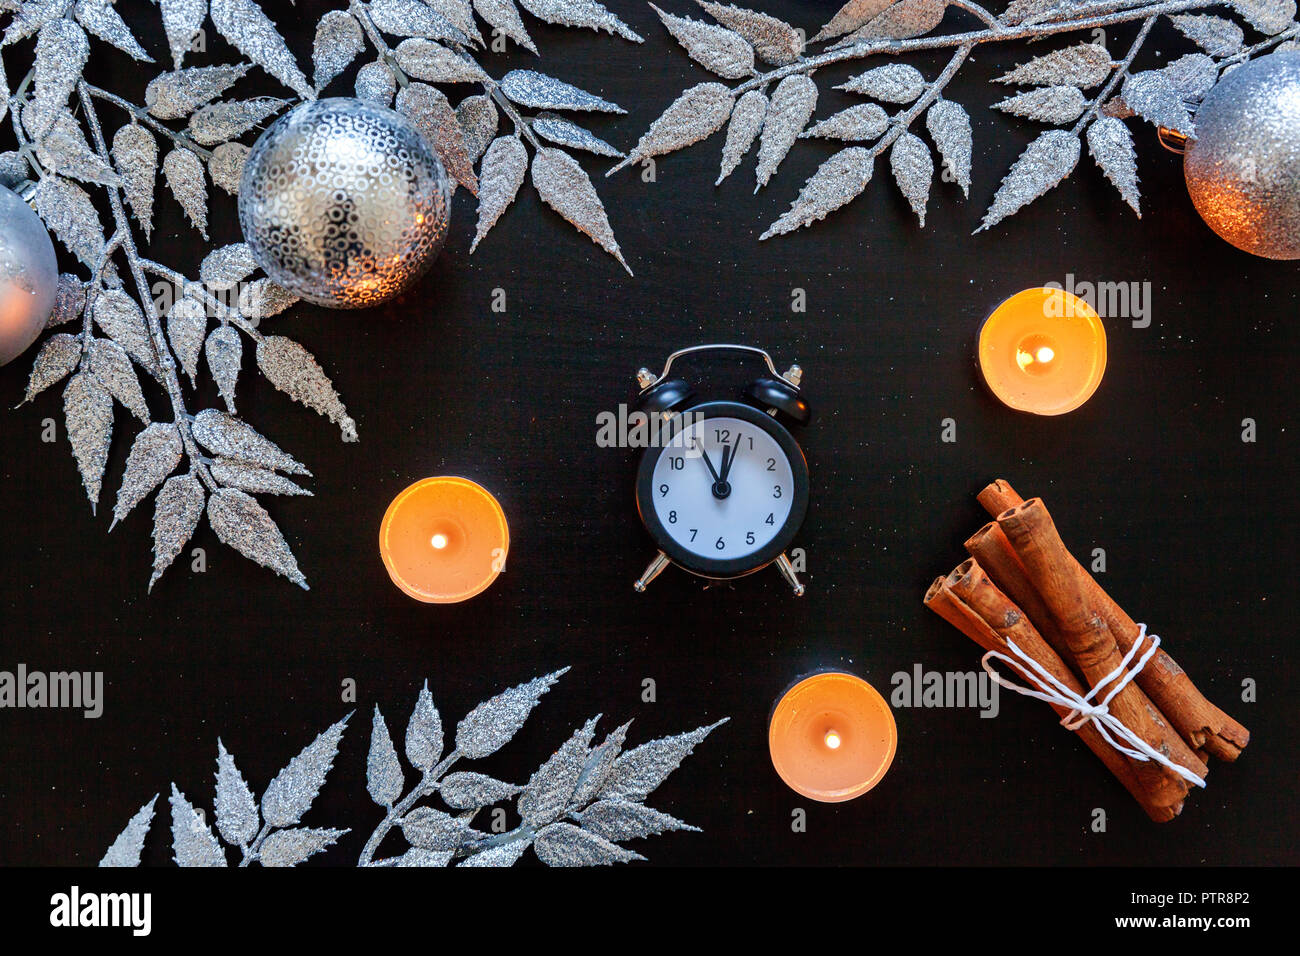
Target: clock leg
point(787, 571)
point(653, 571)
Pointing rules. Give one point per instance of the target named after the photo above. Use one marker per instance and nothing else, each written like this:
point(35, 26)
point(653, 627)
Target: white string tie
point(1082, 709)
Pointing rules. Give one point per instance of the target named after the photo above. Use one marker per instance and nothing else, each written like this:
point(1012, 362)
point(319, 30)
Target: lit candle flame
point(439, 541)
point(1045, 355)
point(832, 739)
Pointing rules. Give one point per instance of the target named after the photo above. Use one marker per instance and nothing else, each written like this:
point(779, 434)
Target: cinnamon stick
point(1093, 647)
point(1204, 726)
point(968, 593)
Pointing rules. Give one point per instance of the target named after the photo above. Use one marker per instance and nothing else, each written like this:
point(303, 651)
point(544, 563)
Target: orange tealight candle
point(832, 737)
point(444, 540)
point(1043, 351)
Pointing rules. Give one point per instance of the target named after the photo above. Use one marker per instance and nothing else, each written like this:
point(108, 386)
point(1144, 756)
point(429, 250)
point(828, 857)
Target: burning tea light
point(1043, 351)
point(444, 540)
point(832, 737)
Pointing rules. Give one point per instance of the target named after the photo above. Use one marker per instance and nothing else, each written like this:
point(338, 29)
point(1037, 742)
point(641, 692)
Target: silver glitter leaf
point(1044, 163)
point(424, 732)
point(183, 171)
point(69, 300)
point(1192, 75)
point(375, 84)
point(262, 298)
point(746, 122)
point(411, 18)
point(155, 453)
point(193, 843)
point(99, 17)
point(219, 122)
point(251, 32)
point(1215, 35)
point(427, 60)
point(1048, 104)
point(503, 854)
point(852, 16)
point(837, 182)
point(913, 168)
point(182, 20)
point(625, 820)
point(1084, 66)
point(539, 91)
point(504, 167)
point(226, 166)
point(70, 215)
point(1153, 97)
point(30, 17)
point(241, 523)
point(61, 53)
point(135, 153)
point(293, 370)
point(466, 791)
point(226, 266)
point(338, 42)
point(715, 48)
point(384, 778)
point(229, 437)
point(64, 150)
point(775, 41)
point(177, 511)
point(546, 796)
point(1111, 145)
point(639, 771)
point(478, 118)
point(904, 20)
point(111, 365)
point(579, 13)
point(793, 103)
point(695, 115)
point(562, 132)
point(291, 793)
point(949, 127)
point(566, 188)
point(1266, 16)
point(121, 320)
point(563, 844)
point(186, 324)
point(857, 123)
point(430, 829)
point(433, 116)
point(599, 765)
point(291, 847)
point(892, 83)
point(57, 359)
point(489, 726)
point(236, 810)
point(1034, 11)
point(225, 353)
point(251, 478)
point(175, 95)
point(424, 858)
point(503, 16)
point(13, 166)
point(460, 14)
point(126, 849)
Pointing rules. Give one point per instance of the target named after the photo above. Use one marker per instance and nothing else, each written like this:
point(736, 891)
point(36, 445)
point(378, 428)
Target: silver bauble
point(343, 203)
point(29, 276)
point(1243, 167)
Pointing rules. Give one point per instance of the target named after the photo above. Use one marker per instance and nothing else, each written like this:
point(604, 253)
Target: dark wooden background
point(1199, 527)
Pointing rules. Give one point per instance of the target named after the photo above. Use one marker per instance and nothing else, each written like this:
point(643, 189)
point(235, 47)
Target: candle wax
point(832, 737)
point(1043, 351)
point(444, 540)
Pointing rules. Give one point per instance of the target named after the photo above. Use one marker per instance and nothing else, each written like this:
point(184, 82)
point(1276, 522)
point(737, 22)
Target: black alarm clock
point(725, 493)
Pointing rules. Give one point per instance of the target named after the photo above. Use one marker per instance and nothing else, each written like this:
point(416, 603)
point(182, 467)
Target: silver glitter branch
point(774, 106)
point(575, 810)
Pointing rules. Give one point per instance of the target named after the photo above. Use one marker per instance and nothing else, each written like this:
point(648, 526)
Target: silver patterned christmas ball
point(29, 276)
point(1243, 167)
point(344, 203)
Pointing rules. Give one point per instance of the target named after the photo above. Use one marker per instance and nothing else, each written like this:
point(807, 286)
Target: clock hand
point(729, 457)
point(712, 471)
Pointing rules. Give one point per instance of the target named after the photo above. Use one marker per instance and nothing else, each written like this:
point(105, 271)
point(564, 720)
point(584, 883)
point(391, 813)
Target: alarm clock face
point(727, 494)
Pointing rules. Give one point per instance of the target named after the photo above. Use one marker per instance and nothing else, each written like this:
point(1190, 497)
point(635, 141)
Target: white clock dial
point(723, 488)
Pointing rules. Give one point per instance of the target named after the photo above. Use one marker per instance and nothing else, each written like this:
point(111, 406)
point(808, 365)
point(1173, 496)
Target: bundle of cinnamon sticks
point(1022, 585)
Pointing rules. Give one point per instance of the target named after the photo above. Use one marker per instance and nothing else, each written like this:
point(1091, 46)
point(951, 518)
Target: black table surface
point(1198, 526)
